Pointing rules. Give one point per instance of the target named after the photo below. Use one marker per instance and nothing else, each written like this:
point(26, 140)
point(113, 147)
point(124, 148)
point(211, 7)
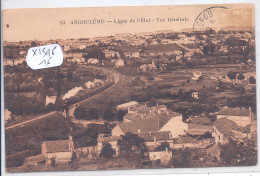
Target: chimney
point(154, 138)
point(138, 131)
point(70, 138)
point(250, 114)
point(170, 135)
point(71, 145)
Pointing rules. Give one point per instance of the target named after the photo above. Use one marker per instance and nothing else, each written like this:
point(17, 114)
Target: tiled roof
point(145, 112)
point(131, 116)
point(199, 128)
point(159, 136)
point(225, 126)
point(141, 109)
point(234, 112)
point(184, 139)
point(144, 125)
point(108, 139)
point(57, 146)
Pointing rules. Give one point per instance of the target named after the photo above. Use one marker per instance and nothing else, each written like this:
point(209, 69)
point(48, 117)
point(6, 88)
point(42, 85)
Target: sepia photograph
point(120, 88)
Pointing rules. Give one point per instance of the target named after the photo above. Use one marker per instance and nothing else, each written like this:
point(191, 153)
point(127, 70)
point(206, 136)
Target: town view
point(165, 99)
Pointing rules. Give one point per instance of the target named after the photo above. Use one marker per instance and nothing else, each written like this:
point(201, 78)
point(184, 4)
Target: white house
point(119, 63)
point(241, 116)
point(225, 129)
point(176, 126)
point(195, 95)
point(7, 116)
point(127, 105)
point(132, 54)
point(50, 99)
point(172, 124)
point(164, 156)
point(60, 150)
point(103, 138)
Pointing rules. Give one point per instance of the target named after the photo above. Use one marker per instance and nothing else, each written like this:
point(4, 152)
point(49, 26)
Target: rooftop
point(108, 139)
point(226, 126)
point(144, 125)
point(234, 111)
point(198, 129)
point(184, 139)
point(57, 146)
point(126, 105)
point(158, 136)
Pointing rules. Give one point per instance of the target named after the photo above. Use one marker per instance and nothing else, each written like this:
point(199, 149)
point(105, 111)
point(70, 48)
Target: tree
point(119, 115)
point(181, 158)
point(95, 53)
point(33, 43)
point(235, 153)
point(132, 148)
point(232, 75)
point(107, 151)
point(109, 114)
point(180, 93)
point(162, 146)
point(53, 162)
point(252, 80)
point(240, 76)
point(60, 76)
point(183, 52)
point(115, 56)
point(86, 113)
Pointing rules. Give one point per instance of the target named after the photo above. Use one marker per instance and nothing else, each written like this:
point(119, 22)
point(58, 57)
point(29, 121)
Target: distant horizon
point(46, 24)
point(235, 28)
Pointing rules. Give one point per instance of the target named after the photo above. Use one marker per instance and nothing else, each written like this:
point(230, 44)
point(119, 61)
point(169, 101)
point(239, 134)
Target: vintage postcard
point(113, 88)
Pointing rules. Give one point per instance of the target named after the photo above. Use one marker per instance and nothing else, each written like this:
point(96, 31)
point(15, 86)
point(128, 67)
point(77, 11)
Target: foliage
point(181, 158)
point(86, 113)
point(162, 146)
point(107, 151)
point(84, 137)
point(21, 105)
point(53, 162)
point(132, 148)
point(252, 80)
point(243, 101)
point(240, 76)
point(95, 53)
point(232, 75)
point(235, 153)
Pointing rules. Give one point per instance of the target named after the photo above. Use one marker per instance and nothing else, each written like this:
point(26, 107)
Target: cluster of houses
point(157, 125)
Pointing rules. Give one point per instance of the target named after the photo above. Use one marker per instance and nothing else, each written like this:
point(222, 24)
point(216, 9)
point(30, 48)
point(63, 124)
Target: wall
point(116, 131)
point(239, 120)
point(59, 157)
point(175, 126)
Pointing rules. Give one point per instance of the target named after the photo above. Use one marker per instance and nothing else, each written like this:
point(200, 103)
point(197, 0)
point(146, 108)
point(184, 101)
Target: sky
point(44, 24)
